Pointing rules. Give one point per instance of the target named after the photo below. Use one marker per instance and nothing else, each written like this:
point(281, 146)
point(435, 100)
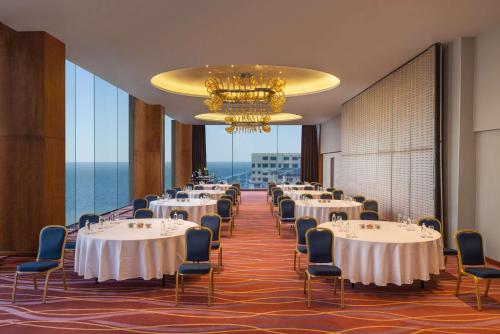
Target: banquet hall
point(263, 166)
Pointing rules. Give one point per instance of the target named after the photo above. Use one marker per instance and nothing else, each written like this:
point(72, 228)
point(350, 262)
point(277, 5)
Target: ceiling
point(127, 42)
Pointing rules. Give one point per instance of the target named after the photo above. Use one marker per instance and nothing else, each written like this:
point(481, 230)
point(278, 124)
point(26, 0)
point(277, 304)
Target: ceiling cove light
point(246, 97)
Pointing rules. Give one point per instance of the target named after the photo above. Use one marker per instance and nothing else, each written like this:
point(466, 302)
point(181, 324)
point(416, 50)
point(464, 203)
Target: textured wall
point(388, 141)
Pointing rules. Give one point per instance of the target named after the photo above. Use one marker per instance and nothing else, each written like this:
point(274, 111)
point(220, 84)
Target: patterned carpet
point(257, 292)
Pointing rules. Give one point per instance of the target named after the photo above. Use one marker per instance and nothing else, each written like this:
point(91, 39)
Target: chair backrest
point(91, 217)
point(368, 215)
point(232, 193)
point(171, 192)
point(184, 213)
point(140, 203)
point(359, 198)
point(338, 214)
point(198, 244)
point(302, 225)
point(182, 194)
point(337, 194)
point(151, 198)
point(198, 187)
point(299, 183)
point(286, 183)
point(330, 190)
point(371, 205)
point(431, 221)
point(308, 188)
point(287, 208)
point(224, 207)
point(270, 188)
point(277, 192)
point(237, 186)
point(190, 185)
point(326, 196)
point(304, 196)
point(51, 242)
point(227, 197)
point(206, 195)
point(213, 222)
point(143, 214)
point(319, 243)
point(177, 189)
point(470, 248)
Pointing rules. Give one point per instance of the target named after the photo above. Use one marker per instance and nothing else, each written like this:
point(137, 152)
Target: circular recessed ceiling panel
point(191, 81)
point(275, 118)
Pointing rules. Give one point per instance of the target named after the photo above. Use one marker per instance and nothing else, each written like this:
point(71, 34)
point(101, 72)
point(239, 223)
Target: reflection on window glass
point(97, 144)
point(253, 159)
point(168, 152)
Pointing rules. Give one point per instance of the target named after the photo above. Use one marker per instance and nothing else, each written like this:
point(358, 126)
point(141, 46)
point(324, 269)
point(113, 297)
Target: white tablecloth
point(295, 194)
point(214, 194)
point(321, 211)
point(291, 186)
point(119, 252)
point(195, 208)
point(388, 255)
point(223, 187)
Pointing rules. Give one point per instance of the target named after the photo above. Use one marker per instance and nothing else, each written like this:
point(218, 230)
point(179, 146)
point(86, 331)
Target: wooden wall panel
point(182, 153)
point(32, 138)
point(148, 141)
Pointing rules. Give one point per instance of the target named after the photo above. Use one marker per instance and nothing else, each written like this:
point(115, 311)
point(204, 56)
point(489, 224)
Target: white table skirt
point(214, 194)
point(195, 208)
point(389, 255)
point(120, 252)
point(295, 194)
point(321, 211)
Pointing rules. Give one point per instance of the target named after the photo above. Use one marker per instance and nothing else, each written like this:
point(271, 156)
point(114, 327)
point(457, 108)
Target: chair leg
point(46, 287)
point(342, 291)
point(478, 294)
point(163, 280)
point(279, 228)
point(298, 263)
point(14, 287)
point(305, 282)
point(295, 260)
point(35, 285)
point(459, 279)
point(219, 264)
point(335, 285)
point(445, 260)
point(210, 278)
point(182, 283)
point(65, 285)
point(231, 228)
point(308, 290)
point(176, 287)
point(487, 288)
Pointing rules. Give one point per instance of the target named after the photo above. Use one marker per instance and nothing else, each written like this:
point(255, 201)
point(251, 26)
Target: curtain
point(199, 149)
point(309, 154)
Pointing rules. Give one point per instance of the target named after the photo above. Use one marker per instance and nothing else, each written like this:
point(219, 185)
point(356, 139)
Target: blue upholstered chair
point(359, 198)
point(330, 190)
point(304, 196)
point(143, 214)
point(277, 192)
point(197, 262)
point(50, 258)
point(438, 226)
point(471, 262)
point(92, 218)
point(326, 196)
point(368, 215)
point(171, 192)
point(190, 186)
point(370, 205)
point(177, 189)
point(151, 198)
point(214, 223)
point(337, 194)
point(299, 183)
point(238, 187)
point(181, 194)
point(270, 187)
point(180, 213)
point(338, 214)
point(225, 211)
point(198, 187)
point(139, 203)
point(309, 188)
point(302, 225)
point(286, 213)
point(320, 248)
point(233, 192)
point(286, 183)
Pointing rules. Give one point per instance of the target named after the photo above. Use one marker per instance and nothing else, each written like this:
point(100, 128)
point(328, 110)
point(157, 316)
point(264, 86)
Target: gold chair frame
point(296, 255)
point(219, 251)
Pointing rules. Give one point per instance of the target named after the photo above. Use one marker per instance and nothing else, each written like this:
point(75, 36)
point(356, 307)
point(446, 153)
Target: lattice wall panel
point(388, 138)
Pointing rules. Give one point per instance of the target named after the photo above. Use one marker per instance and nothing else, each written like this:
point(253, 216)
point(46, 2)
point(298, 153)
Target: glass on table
point(423, 231)
point(430, 231)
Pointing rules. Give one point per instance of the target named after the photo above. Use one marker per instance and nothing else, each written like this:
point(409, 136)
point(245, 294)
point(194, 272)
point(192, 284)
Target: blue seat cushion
point(449, 251)
point(215, 245)
point(302, 249)
point(287, 220)
point(323, 270)
point(70, 245)
point(37, 266)
point(194, 268)
point(483, 272)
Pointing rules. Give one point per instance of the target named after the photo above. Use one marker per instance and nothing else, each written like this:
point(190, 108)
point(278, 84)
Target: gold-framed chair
point(143, 214)
point(276, 193)
point(437, 225)
point(214, 222)
point(472, 262)
point(197, 261)
point(286, 212)
point(49, 259)
point(302, 225)
point(225, 211)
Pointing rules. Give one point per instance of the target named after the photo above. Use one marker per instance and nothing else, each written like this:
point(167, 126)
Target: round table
point(320, 209)
point(222, 187)
point(214, 194)
point(195, 208)
point(291, 186)
point(390, 254)
point(295, 194)
point(119, 252)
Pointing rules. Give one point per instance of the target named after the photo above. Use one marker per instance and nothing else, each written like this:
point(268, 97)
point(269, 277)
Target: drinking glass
point(175, 216)
point(430, 231)
point(423, 231)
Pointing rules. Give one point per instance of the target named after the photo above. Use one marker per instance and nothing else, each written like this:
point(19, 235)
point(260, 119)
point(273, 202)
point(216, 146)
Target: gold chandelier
point(247, 101)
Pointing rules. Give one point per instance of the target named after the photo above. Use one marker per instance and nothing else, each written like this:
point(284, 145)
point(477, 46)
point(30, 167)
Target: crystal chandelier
point(246, 100)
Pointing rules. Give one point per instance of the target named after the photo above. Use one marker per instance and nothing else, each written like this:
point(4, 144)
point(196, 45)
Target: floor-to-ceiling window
point(97, 144)
point(168, 152)
point(253, 159)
